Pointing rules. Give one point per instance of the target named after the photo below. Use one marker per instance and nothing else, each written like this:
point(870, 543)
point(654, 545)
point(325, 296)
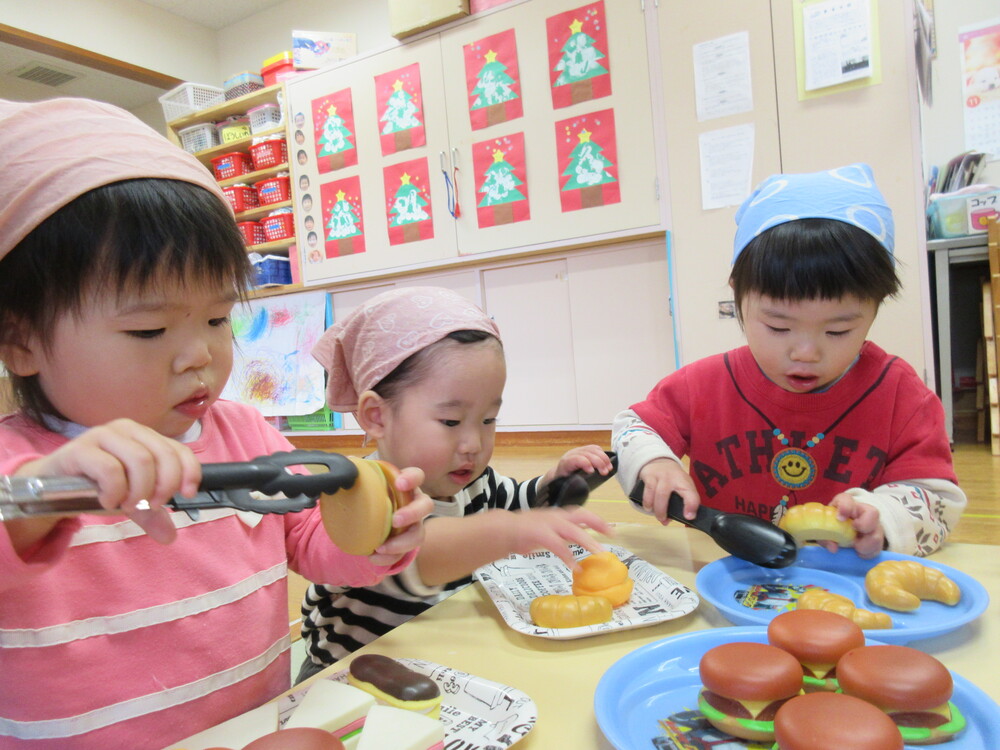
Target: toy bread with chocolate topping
point(394, 684)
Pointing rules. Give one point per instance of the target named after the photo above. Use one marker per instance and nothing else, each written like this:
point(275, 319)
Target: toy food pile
point(892, 584)
point(601, 584)
point(814, 522)
point(783, 690)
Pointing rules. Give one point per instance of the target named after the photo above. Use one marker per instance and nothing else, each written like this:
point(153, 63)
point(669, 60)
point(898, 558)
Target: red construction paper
point(343, 229)
point(408, 213)
point(501, 181)
point(493, 80)
point(399, 107)
point(334, 132)
point(587, 155)
point(582, 71)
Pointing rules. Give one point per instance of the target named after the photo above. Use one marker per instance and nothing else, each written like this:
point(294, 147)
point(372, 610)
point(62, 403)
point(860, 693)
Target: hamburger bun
point(834, 721)
point(817, 639)
point(358, 519)
point(912, 687)
point(744, 686)
point(815, 522)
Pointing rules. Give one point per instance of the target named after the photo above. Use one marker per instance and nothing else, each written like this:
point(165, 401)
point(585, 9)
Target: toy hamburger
point(358, 519)
point(833, 721)
point(744, 685)
point(817, 639)
point(912, 687)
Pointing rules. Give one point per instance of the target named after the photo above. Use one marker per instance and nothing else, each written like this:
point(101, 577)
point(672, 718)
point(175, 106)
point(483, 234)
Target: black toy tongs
point(223, 485)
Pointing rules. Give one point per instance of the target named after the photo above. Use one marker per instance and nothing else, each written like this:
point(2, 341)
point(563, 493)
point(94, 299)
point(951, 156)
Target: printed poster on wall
point(493, 80)
point(400, 109)
point(579, 65)
point(587, 156)
point(501, 180)
point(273, 367)
point(344, 232)
point(408, 201)
point(981, 86)
point(333, 123)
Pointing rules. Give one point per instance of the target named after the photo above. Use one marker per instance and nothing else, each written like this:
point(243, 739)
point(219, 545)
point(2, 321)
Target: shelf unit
point(239, 106)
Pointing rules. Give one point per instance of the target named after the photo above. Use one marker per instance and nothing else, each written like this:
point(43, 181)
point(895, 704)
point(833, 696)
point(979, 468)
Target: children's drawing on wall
point(273, 368)
point(579, 62)
point(981, 86)
point(587, 153)
point(501, 180)
point(333, 125)
point(493, 80)
point(408, 202)
point(400, 109)
point(344, 231)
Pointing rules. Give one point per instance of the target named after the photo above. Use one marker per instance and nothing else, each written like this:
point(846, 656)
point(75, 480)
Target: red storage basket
point(232, 164)
point(269, 153)
point(241, 197)
point(273, 190)
point(277, 227)
point(252, 231)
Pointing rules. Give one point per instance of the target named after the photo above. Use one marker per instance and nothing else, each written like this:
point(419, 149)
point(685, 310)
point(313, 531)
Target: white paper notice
point(722, 76)
point(837, 41)
point(726, 165)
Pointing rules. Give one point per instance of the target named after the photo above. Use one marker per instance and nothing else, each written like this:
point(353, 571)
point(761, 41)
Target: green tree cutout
point(492, 83)
point(579, 57)
point(587, 166)
point(408, 206)
point(500, 185)
point(343, 219)
point(400, 111)
point(336, 137)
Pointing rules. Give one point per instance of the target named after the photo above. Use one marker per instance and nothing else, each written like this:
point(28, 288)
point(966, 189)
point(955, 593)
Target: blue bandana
point(847, 194)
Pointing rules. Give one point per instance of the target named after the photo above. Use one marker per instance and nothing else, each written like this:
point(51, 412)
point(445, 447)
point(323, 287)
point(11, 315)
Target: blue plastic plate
point(648, 699)
point(747, 594)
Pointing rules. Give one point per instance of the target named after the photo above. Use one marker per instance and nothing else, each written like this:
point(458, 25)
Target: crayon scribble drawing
point(273, 368)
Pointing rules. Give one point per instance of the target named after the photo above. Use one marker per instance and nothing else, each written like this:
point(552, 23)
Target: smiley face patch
point(793, 468)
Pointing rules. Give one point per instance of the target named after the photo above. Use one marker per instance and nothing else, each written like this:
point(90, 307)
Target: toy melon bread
point(358, 519)
point(603, 574)
point(815, 522)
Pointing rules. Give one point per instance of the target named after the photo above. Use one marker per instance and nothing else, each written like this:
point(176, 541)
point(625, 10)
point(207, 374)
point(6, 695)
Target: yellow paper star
point(331, 110)
point(490, 56)
point(575, 26)
point(404, 179)
point(340, 195)
point(498, 155)
point(584, 135)
point(397, 86)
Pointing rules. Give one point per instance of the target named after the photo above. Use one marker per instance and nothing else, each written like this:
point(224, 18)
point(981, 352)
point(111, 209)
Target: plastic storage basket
point(253, 232)
point(241, 197)
point(265, 117)
point(242, 84)
point(273, 269)
point(269, 153)
point(273, 190)
point(189, 98)
point(233, 164)
point(324, 419)
point(278, 226)
point(198, 137)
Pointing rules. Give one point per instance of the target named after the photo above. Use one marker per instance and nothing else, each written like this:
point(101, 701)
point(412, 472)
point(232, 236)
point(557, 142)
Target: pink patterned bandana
point(54, 151)
point(359, 351)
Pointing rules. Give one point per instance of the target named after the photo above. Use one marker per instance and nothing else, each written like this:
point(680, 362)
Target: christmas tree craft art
point(343, 225)
point(588, 170)
point(400, 116)
point(408, 209)
point(493, 89)
point(579, 62)
point(335, 139)
point(499, 189)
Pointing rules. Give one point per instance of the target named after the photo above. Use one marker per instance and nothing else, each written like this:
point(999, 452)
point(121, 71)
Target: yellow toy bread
point(569, 611)
point(358, 519)
point(394, 684)
point(818, 598)
point(603, 574)
point(813, 522)
point(901, 584)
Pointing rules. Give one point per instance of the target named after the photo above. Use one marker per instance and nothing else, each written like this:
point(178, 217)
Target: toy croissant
point(820, 598)
point(901, 584)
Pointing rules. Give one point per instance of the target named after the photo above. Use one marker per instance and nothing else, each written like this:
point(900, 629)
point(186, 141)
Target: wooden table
point(467, 633)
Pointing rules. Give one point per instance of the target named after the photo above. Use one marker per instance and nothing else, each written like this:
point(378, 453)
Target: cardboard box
point(408, 17)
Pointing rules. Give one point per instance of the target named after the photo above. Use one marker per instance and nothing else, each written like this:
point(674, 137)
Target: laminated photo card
point(316, 49)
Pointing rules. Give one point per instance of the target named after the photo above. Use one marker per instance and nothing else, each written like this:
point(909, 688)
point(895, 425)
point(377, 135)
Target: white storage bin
point(189, 98)
point(198, 137)
point(265, 117)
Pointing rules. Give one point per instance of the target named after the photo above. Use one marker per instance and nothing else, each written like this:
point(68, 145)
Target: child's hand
point(555, 529)
point(866, 522)
point(588, 458)
point(130, 464)
point(661, 477)
point(409, 519)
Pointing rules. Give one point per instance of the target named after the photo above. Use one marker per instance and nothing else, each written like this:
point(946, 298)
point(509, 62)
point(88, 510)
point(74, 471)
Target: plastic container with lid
point(963, 212)
point(272, 66)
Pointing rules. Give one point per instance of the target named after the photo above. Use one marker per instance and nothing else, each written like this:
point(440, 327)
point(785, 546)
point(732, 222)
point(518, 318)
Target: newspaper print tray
point(517, 579)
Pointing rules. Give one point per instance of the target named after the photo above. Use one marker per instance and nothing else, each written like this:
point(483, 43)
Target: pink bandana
point(359, 351)
point(54, 151)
